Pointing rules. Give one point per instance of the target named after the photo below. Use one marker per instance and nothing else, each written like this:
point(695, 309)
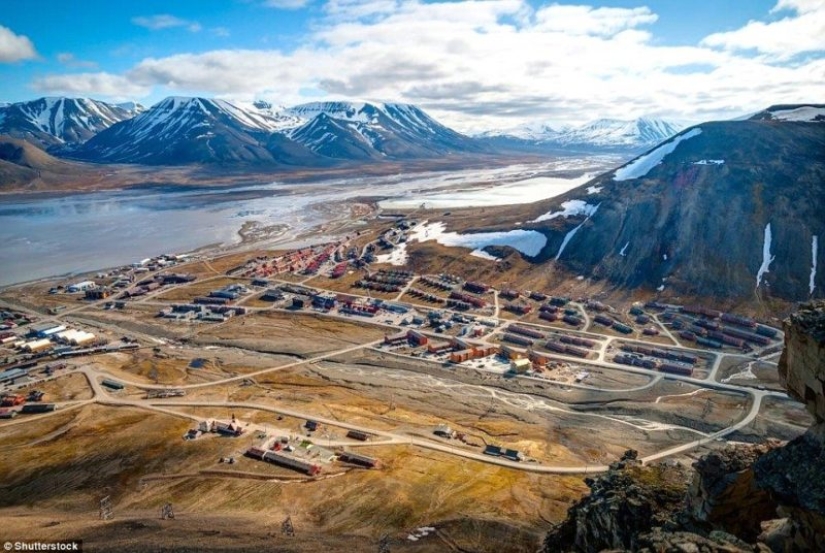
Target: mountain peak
point(57, 121)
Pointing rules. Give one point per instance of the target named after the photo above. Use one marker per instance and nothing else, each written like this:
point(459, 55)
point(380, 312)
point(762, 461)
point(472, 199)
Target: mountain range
point(184, 130)
point(601, 135)
point(58, 122)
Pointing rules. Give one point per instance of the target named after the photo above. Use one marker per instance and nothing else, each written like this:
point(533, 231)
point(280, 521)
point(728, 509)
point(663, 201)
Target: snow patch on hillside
point(767, 258)
point(624, 249)
point(594, 189)
point(528, 242)
point(398, 256)
point(709, 162)
point(569, 236)
point(483, 255)
point(814, 250)
point(641, 166)
point(804, 114)
point(570, 208)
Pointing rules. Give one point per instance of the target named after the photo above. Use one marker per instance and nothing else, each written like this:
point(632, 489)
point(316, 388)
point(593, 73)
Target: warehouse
point(12, 374)
point(37, 345)
point(283, 460)
point(81, 286)
point(44, 330)
point(357, 459)
point(520, 365)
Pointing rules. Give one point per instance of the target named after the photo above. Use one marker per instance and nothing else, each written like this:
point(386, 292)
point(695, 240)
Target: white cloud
point(68, 59)
point(115, 87)
point(286, 4)
point(165, 21)
point(800, 6)
point(586, 20)
point(476, 65)
point(14, 47)
point(800, 32)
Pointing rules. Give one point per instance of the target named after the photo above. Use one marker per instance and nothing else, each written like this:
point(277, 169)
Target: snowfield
point(804, 114)
point(641, 166)
point(519, 192)
point(398, 256)
point(570, 208)
point(528, 242)
point(483, 255)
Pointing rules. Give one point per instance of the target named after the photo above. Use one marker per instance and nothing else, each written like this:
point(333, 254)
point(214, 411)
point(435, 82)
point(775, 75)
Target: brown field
point(291, 334)
point(185, 293)
point(143, 463)
point(70, 387)
point(766, 374)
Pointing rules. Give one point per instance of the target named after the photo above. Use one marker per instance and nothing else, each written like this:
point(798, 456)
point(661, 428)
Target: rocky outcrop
point(802, 366)
point(724, 494)
point(624, 503)
point(794, 475)
point(767, 497)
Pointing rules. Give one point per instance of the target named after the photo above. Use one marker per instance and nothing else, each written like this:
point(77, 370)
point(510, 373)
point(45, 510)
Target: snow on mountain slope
point(57, 121)
point(394, 131)
point(637, 134)
point(133, 108)
point(800, 113)
point(614, 132)
point(185, 130)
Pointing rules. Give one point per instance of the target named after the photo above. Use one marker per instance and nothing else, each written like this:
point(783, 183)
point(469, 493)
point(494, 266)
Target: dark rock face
point(698, 227)
point(623, 503)
point(723, 492)
point(794, 476)
point(802, 365)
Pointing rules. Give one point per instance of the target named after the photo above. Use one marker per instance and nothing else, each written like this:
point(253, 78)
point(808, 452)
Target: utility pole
point(287, 528)
point(106, 508)
point(166, 512)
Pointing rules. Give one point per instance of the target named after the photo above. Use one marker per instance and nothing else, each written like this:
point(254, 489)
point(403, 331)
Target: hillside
point(23, 165)
point(726, 211)
point(62, 122)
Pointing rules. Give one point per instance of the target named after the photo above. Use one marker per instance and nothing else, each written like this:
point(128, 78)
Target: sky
point(474, 65)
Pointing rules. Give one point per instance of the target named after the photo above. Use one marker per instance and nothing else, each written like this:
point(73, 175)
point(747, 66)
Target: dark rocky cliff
point(695, 225)
point(757, 498)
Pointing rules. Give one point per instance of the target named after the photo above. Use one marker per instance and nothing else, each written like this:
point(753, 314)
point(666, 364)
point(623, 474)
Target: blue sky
point(474, 65)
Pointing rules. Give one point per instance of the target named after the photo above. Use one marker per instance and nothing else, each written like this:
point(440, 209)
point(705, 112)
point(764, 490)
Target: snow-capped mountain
point(59, 122)
point(640, 132)
point(333, 138)
point(599, 135)
point(183, 130)
point(180, 130)
point(133, 108)
point(376, 130)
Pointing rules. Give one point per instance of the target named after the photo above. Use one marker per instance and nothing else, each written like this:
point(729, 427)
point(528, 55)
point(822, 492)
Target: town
point(436, 323)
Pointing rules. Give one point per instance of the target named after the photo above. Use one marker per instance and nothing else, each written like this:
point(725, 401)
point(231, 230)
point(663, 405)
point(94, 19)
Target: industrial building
point(520, 365)
point(81, 286)
point(44, 330)
point(358, 459)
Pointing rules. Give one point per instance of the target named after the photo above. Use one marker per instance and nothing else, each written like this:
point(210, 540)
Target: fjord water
point(45, 236)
